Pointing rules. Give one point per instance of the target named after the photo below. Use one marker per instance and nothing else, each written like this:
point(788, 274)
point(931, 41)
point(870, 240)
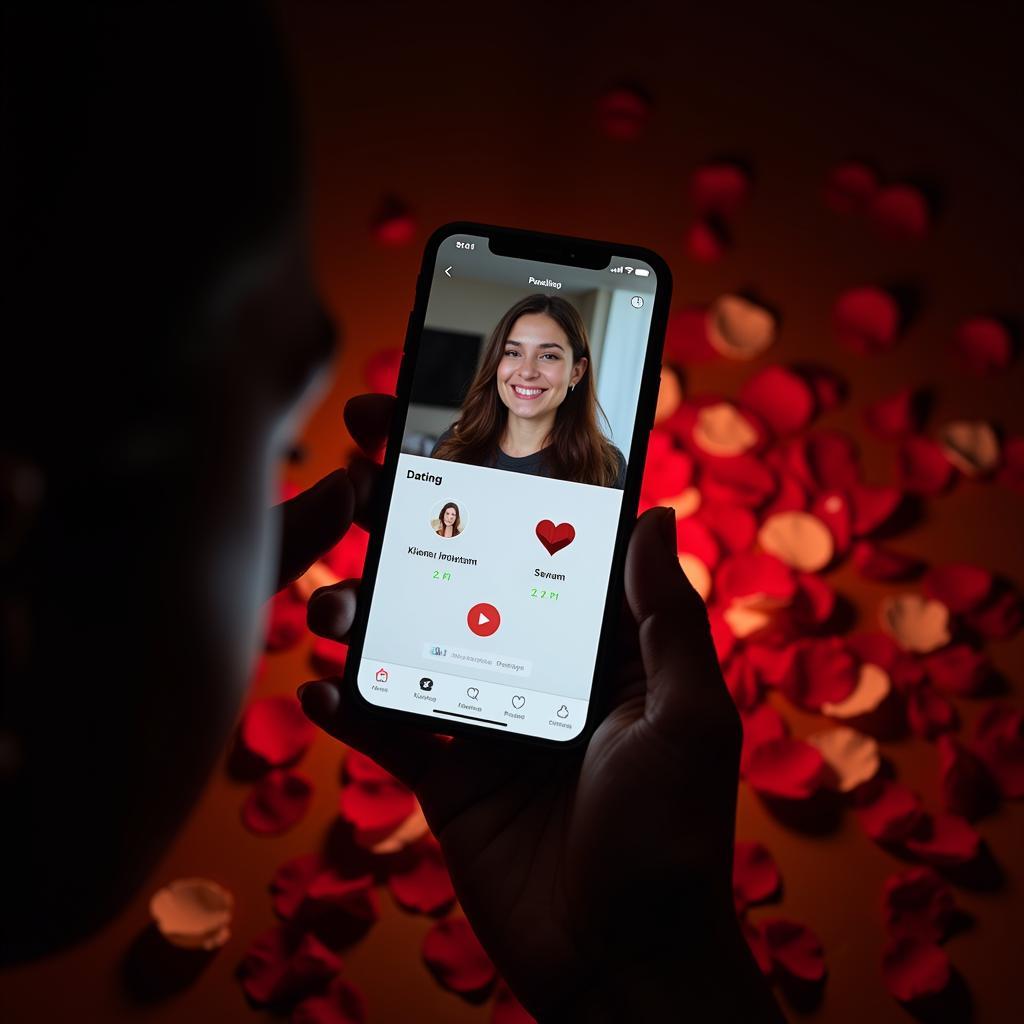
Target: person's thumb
point(683, 674)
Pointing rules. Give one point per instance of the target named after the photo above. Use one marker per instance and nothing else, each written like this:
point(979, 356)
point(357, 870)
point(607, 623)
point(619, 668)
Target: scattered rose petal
point(670, 394)
point(814, 603)
point(742, 682)
point(721, 635)
point(791, 496)
point(773, 664)
point(1001, 617)
point(914, 622)
point(734, 527)
point(875, 562)
point(286, 621)
point(968, 789)
point(425, 886)
point(917, 902)
point(872, 507)
point(760, 580)
point(760, 725)
point(393, 223)
point(984, 345)
point(894, 416)
point(866, 320)
point(872, 687)
point(697, 572)
point(341, 1003)
point(850, 187)
point(944, 840)
point(786, 768)
point(758, 947)
point(375, 806)
point(381, 371)
point(686, 337)
point(833, 460)
point(833, 509)
point(738, 328)
point(825, 673)
point(668, 470)
point(999, 742)
point(851, 755)
point(830, 388)
point(795, 949)
point(721, 429)
point(276, 730)
point(360, 768)
point(914, 968)
point(958, 670)
point(901, 211)
point(1011, 472)
point(456, 958)
point(876, 648)
point(799, 539)
point(922, 467)
point(929, 714)
point(408, 832)
point(707, 240)
point(719, 188)
point(743, 480)
point(283, 964)
point(193, 913)
point(290, 882)
point(745, 621)
point(328, 656)
point(782, 398)
point(685, 503)
point(972, 447)
point(890, 812)
point(623, 112)
point(755, 875)
point(508, 1009)
point(351, 895)
point(277, 802)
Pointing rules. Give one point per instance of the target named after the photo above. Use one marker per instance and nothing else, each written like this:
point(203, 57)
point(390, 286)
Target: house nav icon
point(382, 675)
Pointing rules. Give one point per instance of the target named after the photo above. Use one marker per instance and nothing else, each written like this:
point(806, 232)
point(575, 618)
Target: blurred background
point(422, 114)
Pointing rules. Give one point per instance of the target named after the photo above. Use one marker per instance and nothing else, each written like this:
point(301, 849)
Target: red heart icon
point(554, 538)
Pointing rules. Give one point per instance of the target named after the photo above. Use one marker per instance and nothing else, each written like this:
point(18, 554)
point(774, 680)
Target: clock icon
point(636, 302)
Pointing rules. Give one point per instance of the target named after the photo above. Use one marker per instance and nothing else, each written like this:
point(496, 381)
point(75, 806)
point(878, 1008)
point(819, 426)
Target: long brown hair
point(577, 450)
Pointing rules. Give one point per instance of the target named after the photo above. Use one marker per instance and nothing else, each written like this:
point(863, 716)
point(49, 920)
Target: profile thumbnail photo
point(526, 381)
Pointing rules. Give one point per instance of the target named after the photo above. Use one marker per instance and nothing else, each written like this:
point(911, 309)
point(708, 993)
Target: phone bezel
point(548, 248)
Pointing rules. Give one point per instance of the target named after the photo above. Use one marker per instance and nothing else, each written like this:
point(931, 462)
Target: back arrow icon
point(447, 271)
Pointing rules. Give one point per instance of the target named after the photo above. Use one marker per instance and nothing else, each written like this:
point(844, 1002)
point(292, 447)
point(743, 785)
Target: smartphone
point(493, 585)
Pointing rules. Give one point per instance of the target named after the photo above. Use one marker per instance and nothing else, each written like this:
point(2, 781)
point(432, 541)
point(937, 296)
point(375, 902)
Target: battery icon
point(640, 272)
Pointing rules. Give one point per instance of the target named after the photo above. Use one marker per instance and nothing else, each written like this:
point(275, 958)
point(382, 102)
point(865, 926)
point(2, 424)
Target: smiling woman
point(532, 407)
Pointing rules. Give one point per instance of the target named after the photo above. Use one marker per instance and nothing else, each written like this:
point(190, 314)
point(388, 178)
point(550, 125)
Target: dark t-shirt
point(535, 464)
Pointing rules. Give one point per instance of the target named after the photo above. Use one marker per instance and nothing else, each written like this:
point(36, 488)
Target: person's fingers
point(368, 418)
point(683, 675)
point(364, 474)
point(407, 753)
point(331, 610)
point(312, 523)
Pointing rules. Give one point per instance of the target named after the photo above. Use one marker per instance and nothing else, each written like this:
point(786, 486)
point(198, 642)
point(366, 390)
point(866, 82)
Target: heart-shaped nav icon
point(472, 693)
point(554, 538)
point(518, 701)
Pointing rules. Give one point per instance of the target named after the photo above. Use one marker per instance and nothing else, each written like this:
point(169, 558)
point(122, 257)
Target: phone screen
point(493, 575)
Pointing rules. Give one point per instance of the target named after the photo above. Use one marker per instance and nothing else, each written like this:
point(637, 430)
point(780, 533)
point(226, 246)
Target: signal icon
point(615, 270)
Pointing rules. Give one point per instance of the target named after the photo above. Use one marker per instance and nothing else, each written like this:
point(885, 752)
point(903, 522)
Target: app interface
point(498, 545)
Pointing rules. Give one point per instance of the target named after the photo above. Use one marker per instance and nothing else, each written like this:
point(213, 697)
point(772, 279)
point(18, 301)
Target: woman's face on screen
point(536, 367)
point(449, 517)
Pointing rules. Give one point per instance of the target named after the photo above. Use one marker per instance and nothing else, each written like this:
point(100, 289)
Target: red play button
point(483, 619)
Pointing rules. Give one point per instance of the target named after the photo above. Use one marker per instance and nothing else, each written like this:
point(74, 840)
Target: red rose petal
point(795, 949)
point(922, 467)
point(999, 742)
point(286, 622)
point(1001, 617)
point(829, 387)
point(968, 788)
point(874, 648)
point(875, 562)
point(742, 480)
point(381, 371)
point(282, 964)
point(755, 875)
point(623, 112)
point(917, 902)
point(351, 895)
point(889, 812)
point(782, 398)
point(914, 968)
point(850, 187)
point(834, 510)
point(833, 459)
point(375, 806)
point(742, 682)
point(901, 211)
point(961, 588)
point(944, 840)
point(894, 416)
point(758, 946)
point(341, 1003)
point(790, 496)
point(1011, 473)
point(958, 670)
point(815, 601)
point(277, 802)
point(393, 223)
point(694, 538)
point(508, 1009)
point(786, 768)
point(290, 882)
point(872, 507)
point(755, 575)
point(686, 337)
point(733, 526)
point(773, 664)
point(328, 657)
point(666, 474)
point(929, 713)
point(455, 957)
point(425, 886)
point(707, 240)
point(760, 725)
point(866, 320)
point(276, 730)
point(826, 672)
point(719, 188)
point(984, 345)
point(360, 768)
